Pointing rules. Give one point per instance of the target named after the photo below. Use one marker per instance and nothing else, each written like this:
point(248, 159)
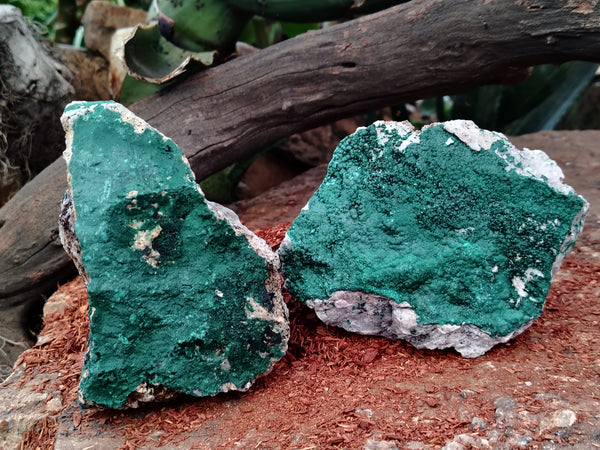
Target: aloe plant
point(188, 35)
point(150, 51)
point(535, 104)
point(201, 25)
point(310, 10)
point(180, 30)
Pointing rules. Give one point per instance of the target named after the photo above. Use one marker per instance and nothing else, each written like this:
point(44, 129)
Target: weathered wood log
point(33, 260)
point(415, 50)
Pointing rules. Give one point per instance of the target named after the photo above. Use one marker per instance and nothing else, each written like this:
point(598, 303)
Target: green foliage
point(262, 33)
point(538, 103)
point(42, 12)
point(139, 4)
point(199, 26)
point(133, 90)
point(304, 11)
point(37, 10)
point(150, 53)
point(572, 79)
point(291, 29)
point(193, 33)
point(221, 186)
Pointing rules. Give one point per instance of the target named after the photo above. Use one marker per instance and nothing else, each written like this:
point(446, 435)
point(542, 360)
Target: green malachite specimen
point(446, 238)
point(182, 296)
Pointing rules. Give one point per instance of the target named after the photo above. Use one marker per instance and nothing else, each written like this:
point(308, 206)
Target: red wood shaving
point(336, 389)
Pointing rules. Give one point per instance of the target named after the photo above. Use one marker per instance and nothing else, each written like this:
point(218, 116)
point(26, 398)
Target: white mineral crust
point(372, 314)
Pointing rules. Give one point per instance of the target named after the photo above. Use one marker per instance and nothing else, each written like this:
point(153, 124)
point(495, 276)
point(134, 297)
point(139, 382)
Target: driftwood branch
point(415, 50)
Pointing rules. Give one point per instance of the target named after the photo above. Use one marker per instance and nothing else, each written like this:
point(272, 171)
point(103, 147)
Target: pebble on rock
point(447, 238)
point(183, 297)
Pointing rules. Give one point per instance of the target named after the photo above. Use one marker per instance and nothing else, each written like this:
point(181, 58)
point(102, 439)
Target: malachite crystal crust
point(182, 296)
point(447, 231)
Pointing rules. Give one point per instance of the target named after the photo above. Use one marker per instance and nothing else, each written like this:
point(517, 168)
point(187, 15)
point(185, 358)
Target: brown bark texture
point(415, 50)
point(419, 49)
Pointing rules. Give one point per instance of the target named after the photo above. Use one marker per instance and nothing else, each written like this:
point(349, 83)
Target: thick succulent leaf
point(371, 6)
point(201, 25)
point(134, 90)
point(545, 116)
point(150, 57)
point(294, 29)
point(484, 106)
point(537, 103)
point(221, 186)
point(311, 10)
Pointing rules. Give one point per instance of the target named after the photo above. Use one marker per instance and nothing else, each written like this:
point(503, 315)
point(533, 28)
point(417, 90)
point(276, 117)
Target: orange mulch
point(274, 235)
point(336, 389)
point(62, 351)
point(41, 436)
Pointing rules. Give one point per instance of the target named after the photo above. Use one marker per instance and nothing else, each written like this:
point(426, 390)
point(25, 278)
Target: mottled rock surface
point(182, 296)
point(446, 238)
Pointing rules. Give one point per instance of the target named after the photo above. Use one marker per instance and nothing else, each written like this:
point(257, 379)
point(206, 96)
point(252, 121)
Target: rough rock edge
point(373, 314)
point(154, 392)
point(66, 232)
point(468, 339)
point(470, 134)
